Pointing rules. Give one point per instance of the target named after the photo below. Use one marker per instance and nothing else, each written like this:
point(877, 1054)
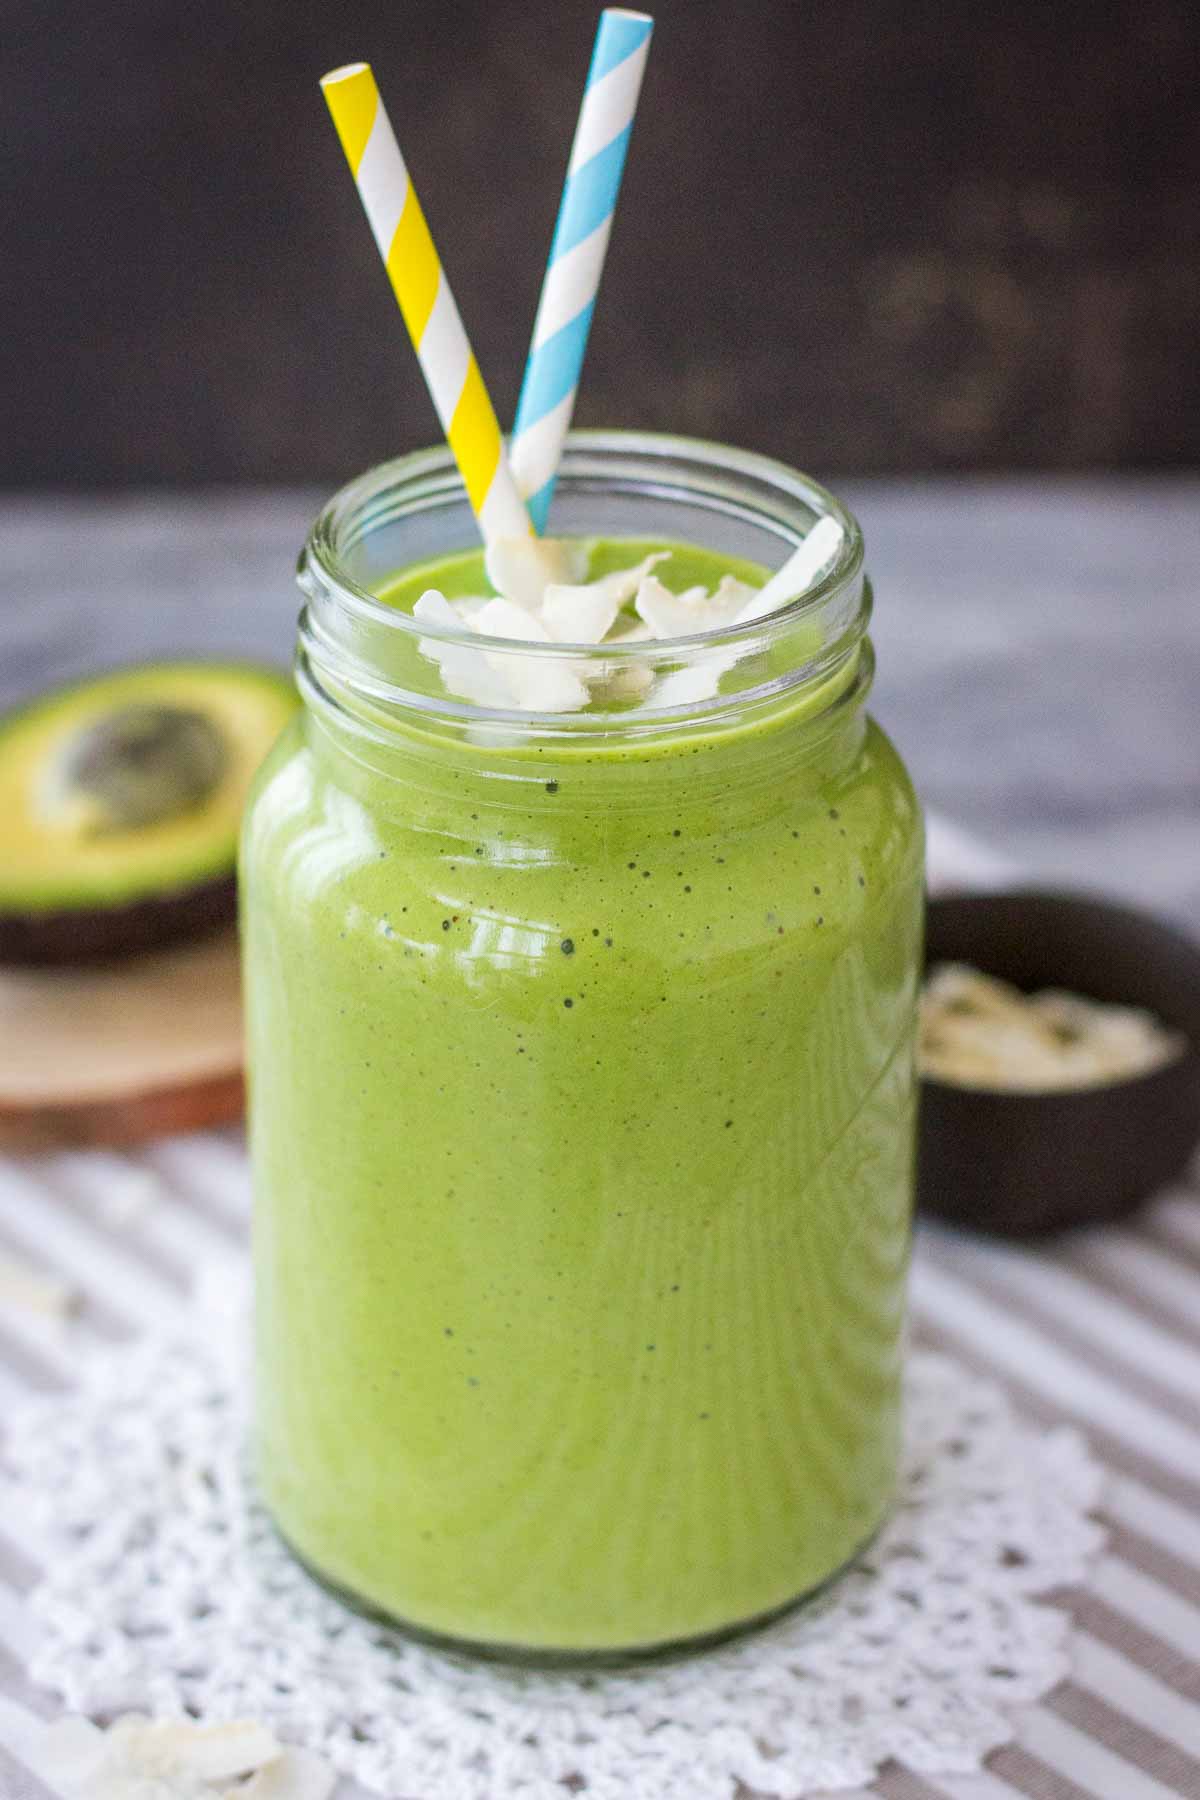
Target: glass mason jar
point(581, 1054)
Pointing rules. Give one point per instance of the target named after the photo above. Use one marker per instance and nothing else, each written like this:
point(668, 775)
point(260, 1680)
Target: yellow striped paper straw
point(419, 284)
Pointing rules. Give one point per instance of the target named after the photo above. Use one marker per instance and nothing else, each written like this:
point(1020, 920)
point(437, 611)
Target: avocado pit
point(137, 766)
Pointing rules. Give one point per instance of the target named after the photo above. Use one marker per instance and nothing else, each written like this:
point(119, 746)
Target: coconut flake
point(579, 615)
point(468, 608)
point(701, 680)
point(684, 615)
point(465, 672)
point(695, 610)
point(296, 1775)
point(624, 679)
point(977, 1031)
point(537, 683)
point(586, 612)
point(669, 615)
point(139, 1758)
point(505, 619)
point(810, 558)
point(542, 599)
point(521, 569)
point(68, 1755)
point(433, 608)
point(200, 1753)
point(698, 681)
point(497, 681)
point(733, 596)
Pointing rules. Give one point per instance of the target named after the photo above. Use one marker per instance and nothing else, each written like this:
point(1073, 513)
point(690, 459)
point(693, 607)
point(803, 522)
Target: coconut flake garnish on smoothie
point(587, 612)
point(541, 598)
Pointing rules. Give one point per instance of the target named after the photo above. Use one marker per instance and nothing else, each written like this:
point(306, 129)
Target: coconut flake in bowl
point(979, 1032)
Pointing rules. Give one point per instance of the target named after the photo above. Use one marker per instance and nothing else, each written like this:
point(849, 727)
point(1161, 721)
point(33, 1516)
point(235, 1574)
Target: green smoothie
point(582, 1122)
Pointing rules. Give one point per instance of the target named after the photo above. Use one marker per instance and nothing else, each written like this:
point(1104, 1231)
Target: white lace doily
point(167, 1589)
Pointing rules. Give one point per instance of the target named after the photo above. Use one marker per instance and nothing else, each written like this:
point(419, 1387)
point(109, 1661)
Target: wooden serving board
point(121, 1051)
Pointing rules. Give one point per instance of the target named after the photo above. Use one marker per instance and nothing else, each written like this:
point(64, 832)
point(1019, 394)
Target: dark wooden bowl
point(1026, 1163)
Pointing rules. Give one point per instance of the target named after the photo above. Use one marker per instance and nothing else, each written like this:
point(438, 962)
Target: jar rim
point(357, 645)
point(438, 460)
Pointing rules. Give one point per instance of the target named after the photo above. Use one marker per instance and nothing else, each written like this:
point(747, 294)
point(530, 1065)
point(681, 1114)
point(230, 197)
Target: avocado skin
point(98, 934)
point(94, 928)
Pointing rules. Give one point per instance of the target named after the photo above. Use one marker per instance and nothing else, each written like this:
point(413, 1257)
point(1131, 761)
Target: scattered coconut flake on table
point(139, 1758)
point(541, 598)
point(296, 1775)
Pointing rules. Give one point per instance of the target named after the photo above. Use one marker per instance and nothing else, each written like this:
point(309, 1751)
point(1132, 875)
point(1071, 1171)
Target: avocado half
point(120, 803)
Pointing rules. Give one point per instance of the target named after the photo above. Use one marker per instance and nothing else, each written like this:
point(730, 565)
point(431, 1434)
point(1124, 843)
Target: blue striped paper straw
point(564, 315)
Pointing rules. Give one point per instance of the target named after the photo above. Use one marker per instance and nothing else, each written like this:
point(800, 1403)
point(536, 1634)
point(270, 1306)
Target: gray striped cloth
point(1101, 1330)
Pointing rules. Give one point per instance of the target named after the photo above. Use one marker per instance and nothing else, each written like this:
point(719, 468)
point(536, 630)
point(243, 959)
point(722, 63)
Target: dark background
point(865, 236)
